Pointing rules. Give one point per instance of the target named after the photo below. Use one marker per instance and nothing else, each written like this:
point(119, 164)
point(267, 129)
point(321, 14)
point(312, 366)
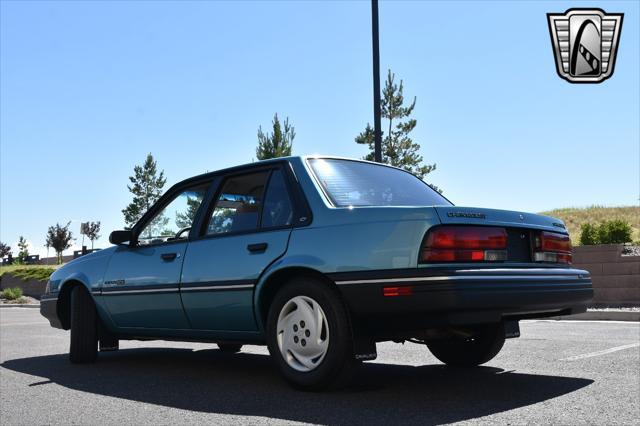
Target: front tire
point(309, 335)
point(482, 347)
point(84, 330)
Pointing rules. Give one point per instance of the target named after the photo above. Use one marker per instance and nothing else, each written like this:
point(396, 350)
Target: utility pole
point(376, 82)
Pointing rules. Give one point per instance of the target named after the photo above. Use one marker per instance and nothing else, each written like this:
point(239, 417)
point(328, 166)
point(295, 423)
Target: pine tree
point(146, 190)
point(59, 238)
point(278, 143)
point(398, 149)
point(184, 220)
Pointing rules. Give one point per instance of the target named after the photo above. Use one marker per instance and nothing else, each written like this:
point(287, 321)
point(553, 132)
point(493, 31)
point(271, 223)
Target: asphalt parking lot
point(557, 372)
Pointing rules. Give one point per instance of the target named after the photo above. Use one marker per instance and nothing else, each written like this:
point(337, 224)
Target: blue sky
point(87, 89)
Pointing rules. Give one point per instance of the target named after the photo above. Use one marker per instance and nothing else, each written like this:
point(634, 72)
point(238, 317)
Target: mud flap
point(364, 348)
point(511, 329)
point(109, 344)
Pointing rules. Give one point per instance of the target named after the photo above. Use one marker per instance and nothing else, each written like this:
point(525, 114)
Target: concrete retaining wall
point(616, 278)
point(32, 288)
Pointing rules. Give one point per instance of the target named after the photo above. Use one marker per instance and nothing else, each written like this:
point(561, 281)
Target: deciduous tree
point(23, 250)
point(59, 238)
point(93, 232)
point(5, 250)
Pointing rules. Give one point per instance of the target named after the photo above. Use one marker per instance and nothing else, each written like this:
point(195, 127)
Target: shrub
point(588, 234)
point(614, 232)
point(12, 293)
point(33, 273)
point(608, 232)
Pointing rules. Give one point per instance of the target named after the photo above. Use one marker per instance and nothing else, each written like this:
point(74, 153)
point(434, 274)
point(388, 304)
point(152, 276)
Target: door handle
point(168, 256)
point(257, 248)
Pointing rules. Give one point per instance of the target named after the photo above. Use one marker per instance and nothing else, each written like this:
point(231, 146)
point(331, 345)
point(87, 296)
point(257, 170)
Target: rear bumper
point(441, 296)
point(49, 310)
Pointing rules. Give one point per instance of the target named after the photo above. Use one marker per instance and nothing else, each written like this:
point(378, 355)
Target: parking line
point(633, 323)
point(604, 352)
point(6, 324)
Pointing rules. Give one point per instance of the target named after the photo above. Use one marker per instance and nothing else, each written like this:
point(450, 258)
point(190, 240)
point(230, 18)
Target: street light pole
point(376, 82)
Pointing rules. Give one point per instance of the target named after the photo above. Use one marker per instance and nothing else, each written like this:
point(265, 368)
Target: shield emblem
point(585, 42)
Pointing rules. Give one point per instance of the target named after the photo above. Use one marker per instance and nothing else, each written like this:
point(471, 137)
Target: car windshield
point(353, 183)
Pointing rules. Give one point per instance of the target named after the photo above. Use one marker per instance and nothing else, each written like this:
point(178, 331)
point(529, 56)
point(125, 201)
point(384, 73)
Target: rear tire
point(314, 350)
point(229, 348)
point(84, 330)
point(476, 350)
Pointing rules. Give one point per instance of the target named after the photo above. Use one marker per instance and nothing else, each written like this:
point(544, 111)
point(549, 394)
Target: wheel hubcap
point(303, 333)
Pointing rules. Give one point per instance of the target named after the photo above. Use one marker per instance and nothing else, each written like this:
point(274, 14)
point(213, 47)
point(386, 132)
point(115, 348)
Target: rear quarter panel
point(343, 239)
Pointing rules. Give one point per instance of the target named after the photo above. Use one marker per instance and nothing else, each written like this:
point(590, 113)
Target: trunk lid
point(521, 227)
point(492, 217)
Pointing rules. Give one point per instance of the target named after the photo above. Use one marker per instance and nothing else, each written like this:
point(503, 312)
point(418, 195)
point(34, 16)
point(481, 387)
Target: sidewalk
point(607, 314)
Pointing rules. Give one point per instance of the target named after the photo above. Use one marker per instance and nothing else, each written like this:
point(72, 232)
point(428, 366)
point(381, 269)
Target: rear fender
point(283, 268)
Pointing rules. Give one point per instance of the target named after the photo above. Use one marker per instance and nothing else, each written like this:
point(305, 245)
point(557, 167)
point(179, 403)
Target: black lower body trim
point(445, 296)
point(49, 310)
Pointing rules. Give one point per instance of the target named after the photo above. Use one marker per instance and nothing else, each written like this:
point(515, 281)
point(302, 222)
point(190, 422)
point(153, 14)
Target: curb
point(19, 305)
point(602, 316)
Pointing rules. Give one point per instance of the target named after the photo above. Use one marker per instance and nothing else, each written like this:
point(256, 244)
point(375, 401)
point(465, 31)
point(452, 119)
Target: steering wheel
point(180, 232)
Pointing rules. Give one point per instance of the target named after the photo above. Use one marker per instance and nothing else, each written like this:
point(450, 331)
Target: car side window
point(239, 204)
point(278, 210)
point(174, 220)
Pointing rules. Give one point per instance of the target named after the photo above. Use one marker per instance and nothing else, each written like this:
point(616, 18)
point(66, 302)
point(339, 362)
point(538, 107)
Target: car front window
point(175, 217)
point(350, 183)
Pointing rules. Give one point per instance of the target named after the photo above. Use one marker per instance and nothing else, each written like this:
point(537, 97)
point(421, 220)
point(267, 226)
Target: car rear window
point(353, 183)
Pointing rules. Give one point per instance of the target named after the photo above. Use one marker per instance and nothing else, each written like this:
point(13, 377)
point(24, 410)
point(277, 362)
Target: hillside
point(28, 272)
point(575, 217)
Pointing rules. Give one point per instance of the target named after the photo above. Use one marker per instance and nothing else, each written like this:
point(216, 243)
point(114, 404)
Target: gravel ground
point(577, 372)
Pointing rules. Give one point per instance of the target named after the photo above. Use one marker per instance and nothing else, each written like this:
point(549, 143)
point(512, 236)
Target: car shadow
point(248, 384)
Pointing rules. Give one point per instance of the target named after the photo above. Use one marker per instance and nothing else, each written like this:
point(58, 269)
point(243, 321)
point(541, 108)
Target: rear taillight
point(552, 247)
point(465, 244)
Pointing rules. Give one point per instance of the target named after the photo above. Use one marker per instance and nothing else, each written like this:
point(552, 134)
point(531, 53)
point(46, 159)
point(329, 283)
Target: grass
point(29, 272)
point(575, 217)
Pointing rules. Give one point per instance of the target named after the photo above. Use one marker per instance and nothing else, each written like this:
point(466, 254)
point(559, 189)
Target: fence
point(616, 278)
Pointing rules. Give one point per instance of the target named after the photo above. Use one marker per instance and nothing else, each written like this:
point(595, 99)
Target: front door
point(141, 284)
point(247, 229)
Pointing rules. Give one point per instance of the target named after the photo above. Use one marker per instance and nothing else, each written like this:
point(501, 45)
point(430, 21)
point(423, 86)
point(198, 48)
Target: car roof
point(259, 163)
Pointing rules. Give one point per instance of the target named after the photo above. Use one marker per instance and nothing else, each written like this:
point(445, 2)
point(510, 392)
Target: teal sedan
point(319, 258)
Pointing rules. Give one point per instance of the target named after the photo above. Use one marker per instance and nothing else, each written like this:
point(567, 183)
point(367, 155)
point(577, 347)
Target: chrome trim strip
point(218, 287)
point(175, 289)
point(47, 299)
point(463, 278)
point(155, 290)
point(553, 271)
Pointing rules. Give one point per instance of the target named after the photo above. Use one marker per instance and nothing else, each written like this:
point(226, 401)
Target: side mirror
point(119, 237)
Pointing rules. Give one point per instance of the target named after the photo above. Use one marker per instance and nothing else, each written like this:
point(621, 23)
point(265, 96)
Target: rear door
point(246, 228)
